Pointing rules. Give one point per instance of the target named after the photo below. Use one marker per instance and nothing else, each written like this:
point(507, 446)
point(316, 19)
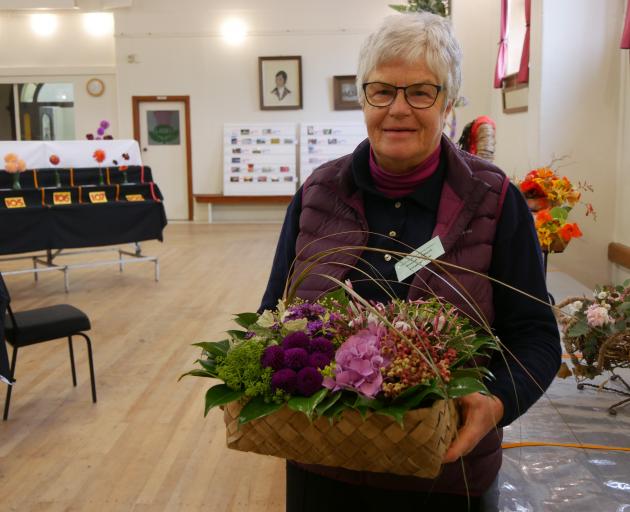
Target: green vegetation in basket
point(322, 358)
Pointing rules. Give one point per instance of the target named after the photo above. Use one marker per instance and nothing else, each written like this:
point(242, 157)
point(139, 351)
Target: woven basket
point(376, 443)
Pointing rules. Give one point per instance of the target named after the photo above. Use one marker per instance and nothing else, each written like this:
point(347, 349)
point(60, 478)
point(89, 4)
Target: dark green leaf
point(196, 373)
point(220, 395)
point(327, 403)
point(258, 408)
point(337, 295)
point(578, 329)
point(465, 386)
point(246, 319)
point(209, 365)
point(239, 335)
point(395, 412)
point(307, 404)
point(216, 348)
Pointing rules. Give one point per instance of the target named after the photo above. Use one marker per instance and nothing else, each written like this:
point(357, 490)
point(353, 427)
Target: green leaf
point(395, 412)
point(308, 404)
point(327, 403)
point(578, 329)
point(257, 408)
point(246, 319)
point(216, 348)
point(220, 395)
point(337, 295)
point(196, 373)
point(465, 386)
point(209, 365)
point(559, 212)
point(239, 335)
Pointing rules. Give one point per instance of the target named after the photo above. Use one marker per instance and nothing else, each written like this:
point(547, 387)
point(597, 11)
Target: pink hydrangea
point(358, 365)
point(597, 316)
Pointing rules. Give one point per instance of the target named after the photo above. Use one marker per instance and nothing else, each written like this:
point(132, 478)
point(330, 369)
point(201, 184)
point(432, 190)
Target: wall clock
point(95, 87)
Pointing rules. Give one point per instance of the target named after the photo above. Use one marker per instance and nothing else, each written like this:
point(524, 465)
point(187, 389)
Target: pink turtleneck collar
point(399, 185)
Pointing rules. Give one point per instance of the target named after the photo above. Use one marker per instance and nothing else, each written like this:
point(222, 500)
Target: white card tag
point(413, 262)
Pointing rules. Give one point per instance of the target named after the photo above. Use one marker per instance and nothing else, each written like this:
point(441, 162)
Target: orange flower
point(99, 156)
point(543, 216)
point(569, 231)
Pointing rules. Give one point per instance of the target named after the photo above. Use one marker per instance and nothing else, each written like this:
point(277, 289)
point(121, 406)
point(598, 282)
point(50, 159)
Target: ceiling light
point(234, 31)
point(44, 25)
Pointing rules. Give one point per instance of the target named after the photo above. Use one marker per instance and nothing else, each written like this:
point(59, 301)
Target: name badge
point(419, 258)
point(62, 198)
point(98, 197)
point(14, 202)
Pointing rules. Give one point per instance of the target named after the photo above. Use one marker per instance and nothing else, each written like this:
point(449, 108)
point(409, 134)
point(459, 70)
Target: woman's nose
point(399, 105)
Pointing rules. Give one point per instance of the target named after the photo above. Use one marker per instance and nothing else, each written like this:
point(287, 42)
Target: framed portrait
point(280, 83)
point(345, 92)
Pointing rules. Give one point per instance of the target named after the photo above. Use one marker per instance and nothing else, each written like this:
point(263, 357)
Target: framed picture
point(280, 83)
point(345, 92)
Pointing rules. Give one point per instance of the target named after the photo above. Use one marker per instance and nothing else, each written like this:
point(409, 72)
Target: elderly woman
point(408, 184)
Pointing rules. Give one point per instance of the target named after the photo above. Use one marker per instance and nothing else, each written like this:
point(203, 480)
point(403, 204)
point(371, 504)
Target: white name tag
point(413, 262)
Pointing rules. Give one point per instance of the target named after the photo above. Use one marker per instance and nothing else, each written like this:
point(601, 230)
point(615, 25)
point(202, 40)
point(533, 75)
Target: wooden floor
point(145, 445)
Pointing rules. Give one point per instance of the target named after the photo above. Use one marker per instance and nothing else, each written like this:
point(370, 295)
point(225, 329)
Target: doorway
point(161, 125)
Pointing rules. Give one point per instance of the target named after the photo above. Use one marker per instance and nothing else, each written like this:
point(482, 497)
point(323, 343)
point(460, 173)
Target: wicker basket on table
point(375, 443)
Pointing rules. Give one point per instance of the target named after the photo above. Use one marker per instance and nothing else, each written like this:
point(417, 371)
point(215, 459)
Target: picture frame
point(345, 94)
point(280, 82)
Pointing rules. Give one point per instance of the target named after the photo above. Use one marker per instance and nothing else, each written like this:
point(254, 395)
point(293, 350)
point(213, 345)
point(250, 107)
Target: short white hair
point(413, 37)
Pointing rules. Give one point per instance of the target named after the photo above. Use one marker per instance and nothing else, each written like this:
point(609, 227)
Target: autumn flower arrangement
point(14, 165)
point(597, 330)
point(340, 356)
point(123, 167)
point(99, 156)
point(551, 198)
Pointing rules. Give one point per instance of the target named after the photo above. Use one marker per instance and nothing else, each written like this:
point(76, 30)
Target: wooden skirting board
point(619, 254)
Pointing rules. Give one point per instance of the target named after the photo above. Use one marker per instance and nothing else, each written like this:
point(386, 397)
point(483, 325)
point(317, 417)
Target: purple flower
point(295, 358)
point(359, 364)
point(313, 327)
point(318, 360)
point(295, 340)
point(305, 310)
point(284, 379)
point(101, 131)
point(273, 357)
point(322, 344)
point(104, 125)
point(309, 380)
point(249, 334)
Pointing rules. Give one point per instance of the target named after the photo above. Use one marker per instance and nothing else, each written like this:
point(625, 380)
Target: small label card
point(98, 197)
point(134, 197)
point(14, 202)
point(413, 262)
point(62, 198)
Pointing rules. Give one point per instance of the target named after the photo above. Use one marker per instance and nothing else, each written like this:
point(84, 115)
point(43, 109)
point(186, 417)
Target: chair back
point(4, 357)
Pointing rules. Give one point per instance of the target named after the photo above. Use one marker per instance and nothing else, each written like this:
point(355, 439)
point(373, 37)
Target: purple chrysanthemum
point(284, 379)
point(295, 358)
point(323, 345)
point(305, 310)
point(309, 380)
point(295, 340)
point(273, 357)
point(314, 326)
point(318, 360)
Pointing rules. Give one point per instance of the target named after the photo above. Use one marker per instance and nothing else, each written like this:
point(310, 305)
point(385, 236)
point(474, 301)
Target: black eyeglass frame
point(404, 89)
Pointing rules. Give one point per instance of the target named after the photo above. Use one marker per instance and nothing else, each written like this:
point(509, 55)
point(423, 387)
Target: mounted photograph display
point(280, 83)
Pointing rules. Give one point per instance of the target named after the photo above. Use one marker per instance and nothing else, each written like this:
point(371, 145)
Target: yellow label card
point(62, 198)
point(134, 197)
point(14, 202)
point(98, 196)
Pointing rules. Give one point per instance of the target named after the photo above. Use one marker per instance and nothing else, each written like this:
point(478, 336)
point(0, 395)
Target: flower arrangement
point(99, 156)
point(338, 356)
point(14, 165)
point(551, 198)
point(100, 132)
point(123, 168)
point(54, 161)
point(597, 330)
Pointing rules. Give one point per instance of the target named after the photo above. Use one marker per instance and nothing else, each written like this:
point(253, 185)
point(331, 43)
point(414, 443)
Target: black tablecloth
point(79, 225)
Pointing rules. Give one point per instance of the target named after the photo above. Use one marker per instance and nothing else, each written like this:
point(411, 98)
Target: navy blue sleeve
point(527, 328)
point(285, 254)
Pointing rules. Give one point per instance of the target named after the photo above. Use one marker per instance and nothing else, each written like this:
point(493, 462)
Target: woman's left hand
point(480, 414)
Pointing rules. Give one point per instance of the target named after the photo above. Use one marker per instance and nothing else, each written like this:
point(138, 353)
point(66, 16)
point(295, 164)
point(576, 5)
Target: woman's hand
point(480, 414)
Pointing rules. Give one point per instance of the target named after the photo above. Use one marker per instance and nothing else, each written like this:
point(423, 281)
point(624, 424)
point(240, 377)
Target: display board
point(323, 142)
point(259, 159)
point(72, 153)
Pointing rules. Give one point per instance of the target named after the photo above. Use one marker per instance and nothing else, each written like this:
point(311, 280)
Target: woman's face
point(401, 136)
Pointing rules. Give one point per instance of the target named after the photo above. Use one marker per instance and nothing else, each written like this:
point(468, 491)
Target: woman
point(404, 186)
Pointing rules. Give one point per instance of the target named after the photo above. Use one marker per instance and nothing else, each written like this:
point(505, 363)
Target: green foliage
point(439, 7)
point(240, 369)
point(220, 395)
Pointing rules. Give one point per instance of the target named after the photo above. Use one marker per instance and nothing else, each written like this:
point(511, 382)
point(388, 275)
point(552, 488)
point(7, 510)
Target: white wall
point(70, 56)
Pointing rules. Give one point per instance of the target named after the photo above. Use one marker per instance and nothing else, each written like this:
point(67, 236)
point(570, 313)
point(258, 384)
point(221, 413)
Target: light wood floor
point(145, 445)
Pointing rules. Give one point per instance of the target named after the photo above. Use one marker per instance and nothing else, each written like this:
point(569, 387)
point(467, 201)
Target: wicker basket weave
point(376, 443)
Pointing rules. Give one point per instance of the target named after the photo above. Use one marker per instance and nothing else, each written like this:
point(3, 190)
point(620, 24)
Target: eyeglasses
point(379, 94)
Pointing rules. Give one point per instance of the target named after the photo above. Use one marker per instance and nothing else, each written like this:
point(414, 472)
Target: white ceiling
point(84, 5)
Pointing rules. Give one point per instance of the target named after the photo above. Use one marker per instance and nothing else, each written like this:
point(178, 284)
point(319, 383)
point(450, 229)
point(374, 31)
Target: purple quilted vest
point(333, 217)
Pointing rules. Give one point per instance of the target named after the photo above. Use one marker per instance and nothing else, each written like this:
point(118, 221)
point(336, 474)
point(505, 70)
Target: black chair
point(49, 323)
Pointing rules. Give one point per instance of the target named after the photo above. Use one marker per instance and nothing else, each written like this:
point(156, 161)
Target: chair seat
point(43, 324)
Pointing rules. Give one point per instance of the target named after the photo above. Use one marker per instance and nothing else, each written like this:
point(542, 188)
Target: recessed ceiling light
point(234, 31)
point(44, 25)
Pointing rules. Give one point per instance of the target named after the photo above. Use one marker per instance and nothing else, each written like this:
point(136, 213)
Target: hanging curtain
point(523, 71)
point(625, 38)
point(501, 67)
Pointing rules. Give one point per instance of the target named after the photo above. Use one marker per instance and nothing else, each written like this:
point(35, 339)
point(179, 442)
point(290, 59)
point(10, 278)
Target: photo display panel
point(323, 142)
point(259, 159)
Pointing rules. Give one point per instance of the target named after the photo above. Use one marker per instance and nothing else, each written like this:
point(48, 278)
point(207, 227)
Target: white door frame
point(136, 100)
